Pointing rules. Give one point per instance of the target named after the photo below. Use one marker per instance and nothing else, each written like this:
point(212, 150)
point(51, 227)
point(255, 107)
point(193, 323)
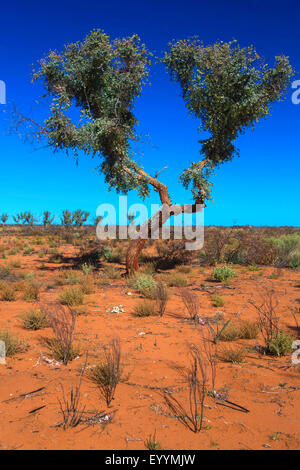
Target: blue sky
point(259, 188)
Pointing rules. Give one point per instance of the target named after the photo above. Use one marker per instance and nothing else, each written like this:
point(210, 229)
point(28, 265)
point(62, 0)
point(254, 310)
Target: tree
point(24, 218)
point(4, 218)
point(47, 219)
point(67, 218)
point(226, 87)
point(79, 217)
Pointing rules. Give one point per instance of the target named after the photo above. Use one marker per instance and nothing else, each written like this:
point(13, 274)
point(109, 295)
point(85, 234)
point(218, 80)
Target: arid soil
point(152, 347)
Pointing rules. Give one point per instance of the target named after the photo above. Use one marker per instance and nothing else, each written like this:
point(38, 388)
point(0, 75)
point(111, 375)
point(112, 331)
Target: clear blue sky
point(259, 188)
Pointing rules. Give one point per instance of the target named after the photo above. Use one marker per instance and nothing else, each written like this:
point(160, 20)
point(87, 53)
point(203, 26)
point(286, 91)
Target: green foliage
point(287, 249)
point(79, 217)
point(4, 218)
point(102, 78)
point(66, 218)
point(280, 344)
point(218, 300)
point(229, 88)
point(223, 273)
point(144, 284)
point(24, 218)
point(47, 219)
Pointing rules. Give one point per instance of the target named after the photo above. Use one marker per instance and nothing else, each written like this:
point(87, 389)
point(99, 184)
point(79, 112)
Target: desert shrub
point(231, 333)
point(108, 372)
point(215, 246)
point(248, 330)
point(72, 296)
point(280, 344)
point(191, 302)
point(161, 296)
point(7, 292)
point(31, 291)
point(287, 248)
point(69, 277)
point(34, 320)
point(294, 258)
point(87, 284)
point(145, 308)
point(143, 283)
point(218, 300)
point(87, 268)
point(147, 268)
point(62, 322)
point(268, 319)
point(12, 343)
point(117, 256)
point(235, 355)
point(4, 272)
point(107, 254)
point(110, 272)
point(172, 253)
point(223, 273)
point(27, 250)
point(184, 269)
point(195, 376)
point(176, 280)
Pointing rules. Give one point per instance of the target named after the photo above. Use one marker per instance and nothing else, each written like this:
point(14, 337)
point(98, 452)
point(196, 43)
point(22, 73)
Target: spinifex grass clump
point(145, 308)
point(223, 273)
point(7, 291)
point(72, 296)
point(62, 321)
point(31, 290)
point(107, 373)
point(35, 319)
point(12, 343)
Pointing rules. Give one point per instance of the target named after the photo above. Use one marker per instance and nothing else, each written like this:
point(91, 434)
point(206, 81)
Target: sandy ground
point(269, 387)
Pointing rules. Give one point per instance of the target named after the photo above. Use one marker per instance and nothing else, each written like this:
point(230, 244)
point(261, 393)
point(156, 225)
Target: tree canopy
point(228, 88)
point(102, 78)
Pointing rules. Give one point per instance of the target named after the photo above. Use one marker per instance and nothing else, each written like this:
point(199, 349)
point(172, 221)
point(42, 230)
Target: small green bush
point(218, 300)
point(223, 273)
point(143, 283)
point(280, 344)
